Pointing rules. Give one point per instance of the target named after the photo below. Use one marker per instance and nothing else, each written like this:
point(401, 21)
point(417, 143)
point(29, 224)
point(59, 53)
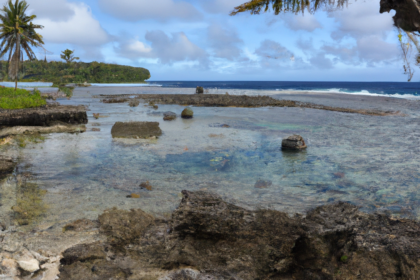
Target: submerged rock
point(134, 103)
point(7, 166)
point(143, 130)
point(169, 116)
point(262, 184)
point(208, 238)
point(187, 113)
point(294, 142)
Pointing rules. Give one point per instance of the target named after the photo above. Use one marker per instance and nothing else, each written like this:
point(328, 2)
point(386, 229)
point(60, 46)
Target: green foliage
point(294, 6)
point(67, 91)
point(344, 258)
point(61, 73)
point(20, 99)
point(18, 32)
point(68, 56)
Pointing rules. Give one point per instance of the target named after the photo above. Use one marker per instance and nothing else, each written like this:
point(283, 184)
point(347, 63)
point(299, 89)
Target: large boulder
point(142, 130)
point(209, 238)
point(44, 116)
point(294, 143)
point(187, 113)
point(199, 90)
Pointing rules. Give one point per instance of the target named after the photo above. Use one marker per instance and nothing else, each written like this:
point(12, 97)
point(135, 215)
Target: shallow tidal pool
point(370, 161)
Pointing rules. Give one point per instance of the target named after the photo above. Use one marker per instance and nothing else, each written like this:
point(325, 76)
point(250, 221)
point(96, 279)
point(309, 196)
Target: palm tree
point(18, 32)
point(68, 56)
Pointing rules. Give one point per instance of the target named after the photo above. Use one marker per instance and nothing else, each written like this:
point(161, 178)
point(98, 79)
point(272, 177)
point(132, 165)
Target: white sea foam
point(362, 92)
point(126, 85)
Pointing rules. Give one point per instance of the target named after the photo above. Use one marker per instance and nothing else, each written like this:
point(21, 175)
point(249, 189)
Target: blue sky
point(198, 40)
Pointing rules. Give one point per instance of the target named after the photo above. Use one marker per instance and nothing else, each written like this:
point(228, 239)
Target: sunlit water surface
point(370, 161)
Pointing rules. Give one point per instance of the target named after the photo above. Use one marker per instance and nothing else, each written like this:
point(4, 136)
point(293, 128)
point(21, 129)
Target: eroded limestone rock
point(142, 130)
point(208, 238)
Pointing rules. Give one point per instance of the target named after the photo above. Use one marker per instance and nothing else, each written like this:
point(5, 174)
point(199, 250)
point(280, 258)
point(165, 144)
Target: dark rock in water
point(199, 90)
point(134, 103)
point(7, 166)
point(146, 185)
point(261, 184)
point(294, 142)
point(169, 116)
point(187, 113)
point(208, 238)
point(44, 116)
point(339, 175)
point(81, 225)
point(143, 130)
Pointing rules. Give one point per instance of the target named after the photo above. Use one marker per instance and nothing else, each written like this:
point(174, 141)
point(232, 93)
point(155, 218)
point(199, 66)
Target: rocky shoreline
point(220, 100)
point(44, 116)
point(208, 238)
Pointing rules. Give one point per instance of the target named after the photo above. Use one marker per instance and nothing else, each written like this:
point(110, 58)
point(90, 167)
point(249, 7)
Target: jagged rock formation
point(407, 14)
point(222, 100)
point(208, 238)
point(44, 116)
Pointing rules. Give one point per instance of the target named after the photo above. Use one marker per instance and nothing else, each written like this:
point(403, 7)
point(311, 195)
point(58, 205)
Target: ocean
point(395, 89)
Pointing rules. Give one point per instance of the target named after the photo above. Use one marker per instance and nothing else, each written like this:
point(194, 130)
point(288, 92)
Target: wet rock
point(81, 225)
point(222, 100)
point(133, 195)
point(199, 90)
point(44, 116)
point(124, 227)
point(146, 185)
point(134, 103)
point(294, 142)
point(339, 175)
point(58, 128)
point(262, 184)
point(208, 238)
point(29, 265)
point(143, 130)
point(7, 166)
point(187, 113)
point(83, 253)
point(96, 129)
point(169, 116)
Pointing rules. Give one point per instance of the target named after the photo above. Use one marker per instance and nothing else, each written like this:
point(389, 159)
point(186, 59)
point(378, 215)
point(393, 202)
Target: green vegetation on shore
point(20, 99)
point(76, 72)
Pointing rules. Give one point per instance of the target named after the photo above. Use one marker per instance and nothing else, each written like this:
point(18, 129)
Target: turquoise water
point(370, 161)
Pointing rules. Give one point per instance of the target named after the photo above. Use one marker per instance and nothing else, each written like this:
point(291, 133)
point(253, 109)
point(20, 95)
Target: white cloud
point(361, 18)
point(220, 6)
point(162, 10)
point(307, 22)
point(56, 10)
point(167, 49)
point(224, 41)
point(80, 29)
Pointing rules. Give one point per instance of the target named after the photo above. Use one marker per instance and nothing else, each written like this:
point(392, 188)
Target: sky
point(190, 40)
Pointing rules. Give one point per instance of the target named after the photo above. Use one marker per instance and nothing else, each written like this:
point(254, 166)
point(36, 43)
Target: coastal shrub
point(61, 73)
point(20, 99)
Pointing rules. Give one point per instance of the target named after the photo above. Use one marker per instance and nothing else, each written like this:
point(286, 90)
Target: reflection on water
point(370, 161)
